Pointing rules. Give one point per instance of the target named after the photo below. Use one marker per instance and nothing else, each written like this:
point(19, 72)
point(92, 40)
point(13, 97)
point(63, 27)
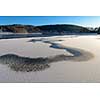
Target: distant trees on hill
point(63, 28)
point(17, 28)
point(98, 30)
point(58, 29)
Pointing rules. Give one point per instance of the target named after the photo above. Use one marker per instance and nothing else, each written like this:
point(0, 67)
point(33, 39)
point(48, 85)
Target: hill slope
point(17, 28)
point(45, 29)
point(63, 29)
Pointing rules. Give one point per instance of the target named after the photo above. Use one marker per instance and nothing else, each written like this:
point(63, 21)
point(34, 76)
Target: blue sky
point(89, 21)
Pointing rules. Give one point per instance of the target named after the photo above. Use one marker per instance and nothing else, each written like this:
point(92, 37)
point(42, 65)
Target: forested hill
point(45, 29)
point(60, 28)
point(18, 28)
point(63, 29)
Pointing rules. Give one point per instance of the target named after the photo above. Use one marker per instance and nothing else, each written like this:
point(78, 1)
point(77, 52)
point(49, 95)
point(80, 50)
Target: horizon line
point(51, 24)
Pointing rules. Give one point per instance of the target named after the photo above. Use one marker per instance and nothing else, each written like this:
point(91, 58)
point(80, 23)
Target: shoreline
point(19, 36)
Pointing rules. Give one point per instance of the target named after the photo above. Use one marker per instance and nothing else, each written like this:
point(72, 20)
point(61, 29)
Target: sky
point(88, 21)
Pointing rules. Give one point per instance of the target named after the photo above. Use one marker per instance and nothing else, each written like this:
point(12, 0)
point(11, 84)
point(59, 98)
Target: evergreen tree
point(98, 30)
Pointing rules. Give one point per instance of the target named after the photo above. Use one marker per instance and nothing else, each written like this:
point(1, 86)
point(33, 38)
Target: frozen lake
point(71, 68)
